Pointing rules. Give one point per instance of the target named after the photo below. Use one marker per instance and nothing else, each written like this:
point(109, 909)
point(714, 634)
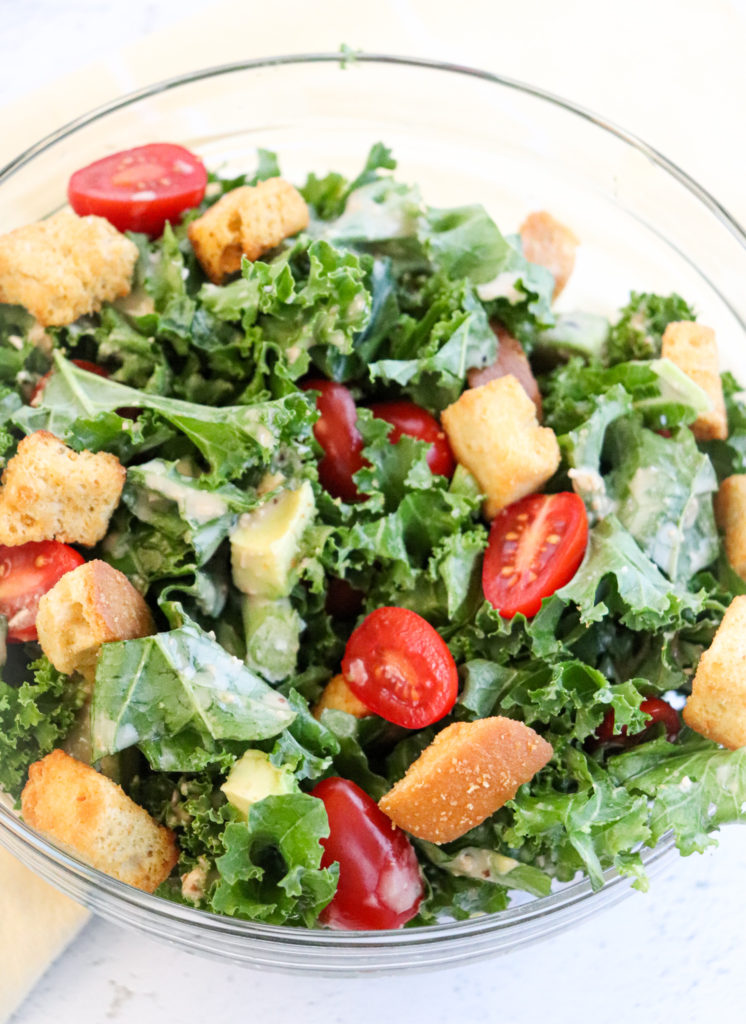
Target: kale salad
point(207, 394)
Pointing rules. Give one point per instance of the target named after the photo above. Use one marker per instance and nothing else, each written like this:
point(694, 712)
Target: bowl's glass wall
point(465, 137)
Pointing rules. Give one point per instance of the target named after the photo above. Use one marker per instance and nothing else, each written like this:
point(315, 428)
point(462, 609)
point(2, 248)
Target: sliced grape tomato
point(140, 189)
point(401, 668)
point(380, 885)
point(27, 572)
point(535, 547)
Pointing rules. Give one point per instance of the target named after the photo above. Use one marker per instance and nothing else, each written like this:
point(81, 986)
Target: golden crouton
point(717, 706)
point(50, 492)
point(91, 816)
point(65, 266)
point(90, 606)
point(247, 221)
point(467, 772)
point(338, 696)
point(494, 433)
point(693, 349)
point(730, 512)
point(548, 242)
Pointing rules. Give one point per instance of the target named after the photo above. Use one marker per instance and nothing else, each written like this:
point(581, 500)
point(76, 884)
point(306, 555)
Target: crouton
point(248, 221)
point(91, 816)
point(730, 512)
point(50, 492)
point(90, 606)
point(467, 772)
point(693, 349)
point(338, 696)
point(65, 266)
point(551, 244)
point(717, 706)
point(510, 359)
point(494, 433)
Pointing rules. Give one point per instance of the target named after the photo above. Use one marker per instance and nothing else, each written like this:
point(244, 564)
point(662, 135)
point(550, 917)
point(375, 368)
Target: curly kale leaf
point(638, 332)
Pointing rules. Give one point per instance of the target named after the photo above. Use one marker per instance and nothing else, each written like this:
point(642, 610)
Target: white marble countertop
point(675, 953)
point(673, 73)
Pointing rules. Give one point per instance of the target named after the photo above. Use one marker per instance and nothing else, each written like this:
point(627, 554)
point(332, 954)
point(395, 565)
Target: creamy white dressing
point(501, 287)
point(200, 506)
point(589, 485)
point(264, 436)
point(472, 862)
point(398, 890)
point(126, 736)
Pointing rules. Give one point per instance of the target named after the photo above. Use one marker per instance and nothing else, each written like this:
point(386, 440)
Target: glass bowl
point(466, 136)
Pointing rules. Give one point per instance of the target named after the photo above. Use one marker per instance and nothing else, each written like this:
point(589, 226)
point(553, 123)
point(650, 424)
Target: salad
point(345, 581)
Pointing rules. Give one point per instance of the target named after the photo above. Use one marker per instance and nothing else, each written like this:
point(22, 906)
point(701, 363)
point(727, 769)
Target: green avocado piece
point(265, 544)
point(252, 778)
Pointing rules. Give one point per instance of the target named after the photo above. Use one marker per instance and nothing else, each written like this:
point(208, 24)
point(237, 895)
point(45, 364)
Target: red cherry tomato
point(408, 418)
point(656, 709)
point(140, 189)
point(379, 878)
point(337, 433)
point(27, 572)
point(535, 547)
point(42, 382)
point(401, 668)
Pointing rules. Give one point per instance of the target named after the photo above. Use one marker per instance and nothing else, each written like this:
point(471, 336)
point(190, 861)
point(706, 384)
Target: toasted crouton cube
point(65, 266)
point(338, 696)
point(92, 817)
point(550, 243)
point(90, 606)
point(248, 221)
point(693, 349)
point(494, 433)
point(730, 512)
point(467, 772)
point(50, 492)
point(717, 706)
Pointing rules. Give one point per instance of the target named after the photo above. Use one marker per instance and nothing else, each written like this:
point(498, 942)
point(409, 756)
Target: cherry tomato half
point(380, 885)
point(140, 189)
point(27, 572)
point(42, 382)
point(337, 433)
point(401, 668)
point(411, 419)
point(534, 548)
point(656, 709)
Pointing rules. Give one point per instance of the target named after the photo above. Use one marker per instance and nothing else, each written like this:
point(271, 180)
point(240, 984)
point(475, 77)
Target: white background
point(674, 74)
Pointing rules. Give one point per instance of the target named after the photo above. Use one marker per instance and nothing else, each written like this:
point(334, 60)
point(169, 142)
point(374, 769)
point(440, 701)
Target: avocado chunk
point(266, 542)
point(252, 778)
point(272, 630)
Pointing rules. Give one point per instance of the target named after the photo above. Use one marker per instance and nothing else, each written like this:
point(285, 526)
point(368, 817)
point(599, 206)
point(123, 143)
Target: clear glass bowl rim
point(559, 904)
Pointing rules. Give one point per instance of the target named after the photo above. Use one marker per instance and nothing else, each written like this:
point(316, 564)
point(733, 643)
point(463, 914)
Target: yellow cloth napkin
point(36, 923)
